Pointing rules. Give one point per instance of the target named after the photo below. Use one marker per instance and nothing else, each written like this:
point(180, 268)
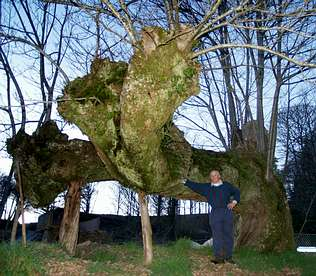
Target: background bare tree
point(87, 193)
point(233, 79)
point(297, 134)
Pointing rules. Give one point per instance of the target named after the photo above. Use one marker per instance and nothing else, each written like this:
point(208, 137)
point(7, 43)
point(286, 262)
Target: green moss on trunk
point(264, 220)
point(127, 115)
point(49, 162)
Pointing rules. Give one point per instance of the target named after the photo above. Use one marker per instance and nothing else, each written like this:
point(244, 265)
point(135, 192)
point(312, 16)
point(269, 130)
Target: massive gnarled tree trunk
point(49, 164)
point(127, 114)
point(126, 110)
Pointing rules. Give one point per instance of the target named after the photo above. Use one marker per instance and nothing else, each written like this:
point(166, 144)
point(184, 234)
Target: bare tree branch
point(256, 47)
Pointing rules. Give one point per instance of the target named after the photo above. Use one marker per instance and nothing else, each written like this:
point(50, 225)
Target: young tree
point(86, 197)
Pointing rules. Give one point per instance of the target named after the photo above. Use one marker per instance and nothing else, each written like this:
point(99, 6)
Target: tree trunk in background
point(146, 229)
point(273, 133)
point(119, 200)
point(6, 191)
point(172, 212)
point(259, 71)
point(225, 60)
point(191, 206)
point(21, 199)
point(16, 221)
point(68, 232)
point(159, 205)
point(275, 106)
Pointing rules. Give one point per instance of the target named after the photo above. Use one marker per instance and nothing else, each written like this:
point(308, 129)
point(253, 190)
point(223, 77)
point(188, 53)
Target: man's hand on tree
point(183, 180)
point(232, 204)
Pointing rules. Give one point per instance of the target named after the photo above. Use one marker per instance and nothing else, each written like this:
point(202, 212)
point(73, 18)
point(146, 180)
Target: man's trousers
point(221, 222)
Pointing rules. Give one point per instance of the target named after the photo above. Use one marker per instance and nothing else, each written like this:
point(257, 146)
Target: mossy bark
point(263, 216)
point(128, 118)
point(49, 162)
point(130, 125)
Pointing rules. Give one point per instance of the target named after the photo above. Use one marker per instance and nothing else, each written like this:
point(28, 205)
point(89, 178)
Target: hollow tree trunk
point(68, 232)
point(146, 229)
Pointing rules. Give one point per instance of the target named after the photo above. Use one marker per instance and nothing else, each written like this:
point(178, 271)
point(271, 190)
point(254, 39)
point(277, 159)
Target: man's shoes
point(230, 260)
point(217, 261)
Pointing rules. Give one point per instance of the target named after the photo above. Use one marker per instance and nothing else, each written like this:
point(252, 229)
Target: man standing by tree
point(223, 197)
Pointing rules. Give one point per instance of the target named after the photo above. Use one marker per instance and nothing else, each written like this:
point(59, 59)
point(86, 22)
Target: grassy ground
point(173, 259)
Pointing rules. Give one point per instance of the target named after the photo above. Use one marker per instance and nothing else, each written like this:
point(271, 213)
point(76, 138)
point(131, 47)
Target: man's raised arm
point(199, 188)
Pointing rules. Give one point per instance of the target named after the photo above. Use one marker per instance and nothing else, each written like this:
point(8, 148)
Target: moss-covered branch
point(49, 162)
point(128, 109)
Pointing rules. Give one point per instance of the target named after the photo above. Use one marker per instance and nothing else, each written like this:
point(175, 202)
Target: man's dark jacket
point(217, 196)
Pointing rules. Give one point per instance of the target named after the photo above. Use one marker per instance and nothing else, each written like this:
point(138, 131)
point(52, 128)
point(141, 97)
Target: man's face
point(215, 176)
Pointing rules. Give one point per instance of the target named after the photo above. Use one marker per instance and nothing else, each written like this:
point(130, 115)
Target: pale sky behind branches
point(26, 70)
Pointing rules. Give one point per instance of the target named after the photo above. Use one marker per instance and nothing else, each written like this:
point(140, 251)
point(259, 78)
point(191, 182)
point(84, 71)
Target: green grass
point(104, 258)
point(46, 251)
point(101, 255)
point(97, 267)
point(255, 261)
point(170, 259)
point(17, 260)
point(131, 252)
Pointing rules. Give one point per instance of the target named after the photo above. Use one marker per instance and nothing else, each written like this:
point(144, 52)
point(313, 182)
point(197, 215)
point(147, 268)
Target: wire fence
point(305, 239)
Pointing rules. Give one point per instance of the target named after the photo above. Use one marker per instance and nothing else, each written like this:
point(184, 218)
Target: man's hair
point(214, 170)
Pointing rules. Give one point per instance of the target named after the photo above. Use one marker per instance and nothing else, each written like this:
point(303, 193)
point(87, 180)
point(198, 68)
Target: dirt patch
point(202, 266)
point(111, 259)
point(60, 268)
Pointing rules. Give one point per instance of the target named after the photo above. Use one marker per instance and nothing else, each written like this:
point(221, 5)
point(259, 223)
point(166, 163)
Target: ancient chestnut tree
point(126, 110)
